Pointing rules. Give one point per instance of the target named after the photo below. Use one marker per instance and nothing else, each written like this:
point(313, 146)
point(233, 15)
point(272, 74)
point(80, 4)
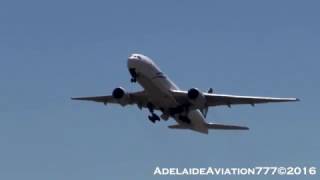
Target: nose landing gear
point(134, 75)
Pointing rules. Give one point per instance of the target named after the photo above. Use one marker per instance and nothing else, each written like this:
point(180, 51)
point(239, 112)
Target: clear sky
point(53, 50)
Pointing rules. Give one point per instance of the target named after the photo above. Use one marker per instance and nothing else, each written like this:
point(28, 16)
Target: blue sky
point(52, 50)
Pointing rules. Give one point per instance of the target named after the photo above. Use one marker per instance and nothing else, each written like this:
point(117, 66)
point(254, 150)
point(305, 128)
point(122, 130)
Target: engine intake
point(193, 93)
point(196, 98)
point(121, 96)
point(118, 93)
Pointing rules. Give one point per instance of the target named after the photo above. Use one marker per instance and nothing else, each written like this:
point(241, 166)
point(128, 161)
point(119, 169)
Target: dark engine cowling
point(118, 93)
point(121, 96)
point(196, 98)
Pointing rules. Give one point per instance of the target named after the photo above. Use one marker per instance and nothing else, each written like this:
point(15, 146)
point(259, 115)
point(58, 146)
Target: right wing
point(228, 100)
point(223, 99)
point(139, 98)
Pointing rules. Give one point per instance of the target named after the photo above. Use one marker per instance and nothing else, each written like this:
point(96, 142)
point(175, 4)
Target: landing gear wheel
point(151, 119)
point(133, 80)
point(156, 117)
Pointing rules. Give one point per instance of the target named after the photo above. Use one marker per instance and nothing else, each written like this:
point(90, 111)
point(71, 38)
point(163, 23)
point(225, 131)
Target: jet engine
point(120, 95)
point(196, 98)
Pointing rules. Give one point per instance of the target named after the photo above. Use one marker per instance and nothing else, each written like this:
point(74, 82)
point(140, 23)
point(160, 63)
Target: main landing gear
point(133, 80)
point(153, 117)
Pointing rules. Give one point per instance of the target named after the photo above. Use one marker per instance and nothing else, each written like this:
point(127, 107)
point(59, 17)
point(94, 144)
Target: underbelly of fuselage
point(158, 90)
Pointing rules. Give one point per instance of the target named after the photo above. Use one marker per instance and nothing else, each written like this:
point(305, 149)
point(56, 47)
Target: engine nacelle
point(121, 96)
point(196, 98)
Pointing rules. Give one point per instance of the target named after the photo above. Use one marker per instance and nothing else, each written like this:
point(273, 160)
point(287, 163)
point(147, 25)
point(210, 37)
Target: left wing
point(228, 100)
point(139, 98)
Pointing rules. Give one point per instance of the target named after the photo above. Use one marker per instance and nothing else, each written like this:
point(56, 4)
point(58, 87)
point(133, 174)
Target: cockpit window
point(136, 56)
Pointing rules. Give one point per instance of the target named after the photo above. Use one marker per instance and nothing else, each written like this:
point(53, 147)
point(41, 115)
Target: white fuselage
point(158, 87)
point(156, 84)
point(187, 108)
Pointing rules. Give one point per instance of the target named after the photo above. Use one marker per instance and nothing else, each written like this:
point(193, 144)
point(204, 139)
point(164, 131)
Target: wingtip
point(243, 128)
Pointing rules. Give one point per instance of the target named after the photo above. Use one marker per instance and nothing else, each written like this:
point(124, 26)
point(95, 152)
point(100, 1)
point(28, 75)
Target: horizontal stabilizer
point(177, 126)
point(225, 127)
point(94, 98)
point(212, 126)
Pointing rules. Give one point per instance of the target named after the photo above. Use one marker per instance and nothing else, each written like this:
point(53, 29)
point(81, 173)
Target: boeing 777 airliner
point(187, 108)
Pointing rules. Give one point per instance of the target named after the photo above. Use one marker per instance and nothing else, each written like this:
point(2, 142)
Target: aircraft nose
point(131, 61)
point(132, 57)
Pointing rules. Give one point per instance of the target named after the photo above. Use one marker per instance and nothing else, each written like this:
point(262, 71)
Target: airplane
point(188, 108)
